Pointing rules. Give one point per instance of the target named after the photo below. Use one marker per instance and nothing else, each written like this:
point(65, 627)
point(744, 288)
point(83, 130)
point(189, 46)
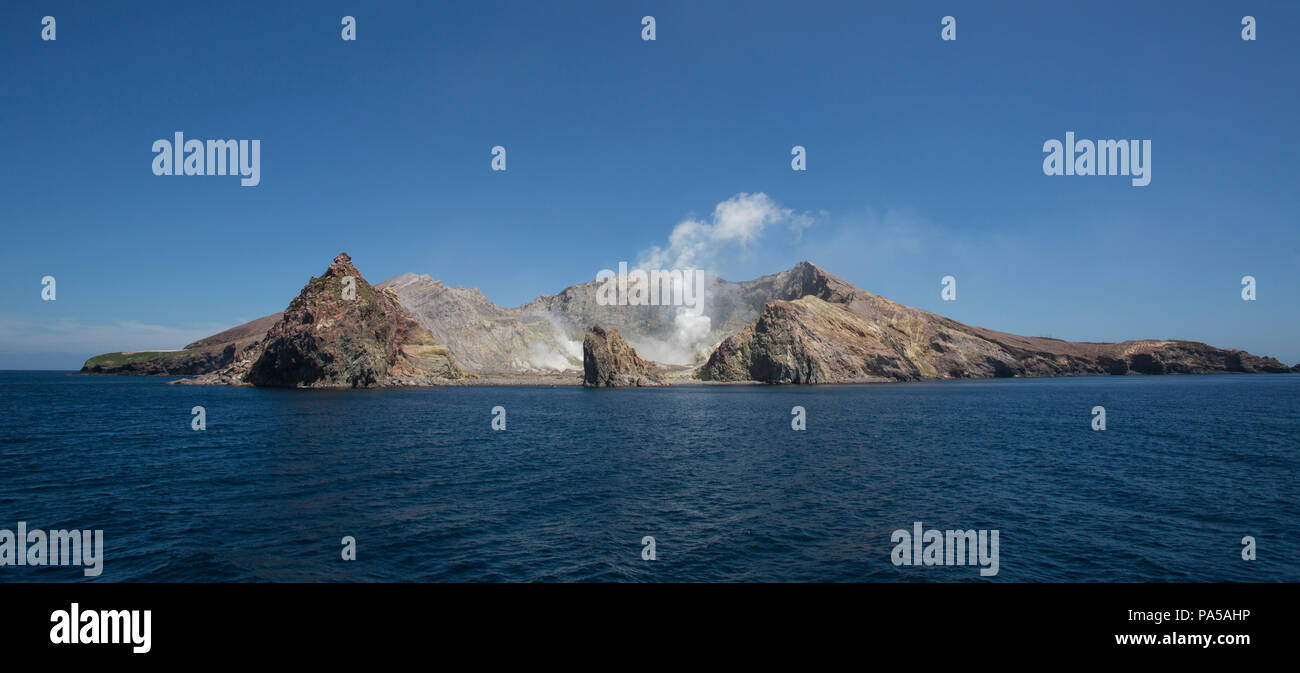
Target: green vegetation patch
point(119, 359)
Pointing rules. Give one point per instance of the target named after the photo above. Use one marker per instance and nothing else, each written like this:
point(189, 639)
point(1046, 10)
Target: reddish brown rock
point(327, 340)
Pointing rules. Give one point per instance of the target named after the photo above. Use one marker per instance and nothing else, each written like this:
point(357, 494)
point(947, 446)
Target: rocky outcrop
point(838, 333)
point(329, 338)
point(609, 362)
point(1181, 357)
point(206, 355)
point(807, 341)
point(233, 374)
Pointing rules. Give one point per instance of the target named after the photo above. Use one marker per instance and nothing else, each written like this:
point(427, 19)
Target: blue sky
point(924, 157)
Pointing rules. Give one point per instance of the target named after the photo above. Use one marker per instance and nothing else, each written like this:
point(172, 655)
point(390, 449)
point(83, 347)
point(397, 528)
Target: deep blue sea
point(1187, 467)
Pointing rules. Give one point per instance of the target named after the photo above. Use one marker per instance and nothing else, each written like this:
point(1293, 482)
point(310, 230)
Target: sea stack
point(610, 362)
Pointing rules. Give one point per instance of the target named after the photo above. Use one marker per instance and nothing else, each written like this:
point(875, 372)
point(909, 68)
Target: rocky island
point(802, 325)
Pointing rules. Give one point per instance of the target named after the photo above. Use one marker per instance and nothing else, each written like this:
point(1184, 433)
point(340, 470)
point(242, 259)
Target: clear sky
point(924, 157)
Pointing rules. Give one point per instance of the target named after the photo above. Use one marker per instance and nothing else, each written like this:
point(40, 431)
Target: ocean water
point(1187, 467)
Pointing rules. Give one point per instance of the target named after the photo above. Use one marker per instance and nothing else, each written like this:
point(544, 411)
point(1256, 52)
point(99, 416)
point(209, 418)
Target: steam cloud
point(736, 224)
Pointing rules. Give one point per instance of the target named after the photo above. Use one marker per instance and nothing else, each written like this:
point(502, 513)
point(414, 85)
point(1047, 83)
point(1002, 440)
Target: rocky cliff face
point(839, 333)
point(807, 341)
point(608, 361)
point(485, 338)
point(326, 339)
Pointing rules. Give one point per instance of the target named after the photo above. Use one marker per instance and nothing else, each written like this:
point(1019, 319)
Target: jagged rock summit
point(609, 362)
point(340, 332)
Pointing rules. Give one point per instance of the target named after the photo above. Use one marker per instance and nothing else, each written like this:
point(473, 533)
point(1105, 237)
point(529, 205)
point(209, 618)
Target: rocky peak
point(806, 279)
point(404, 280)
point(331, 337)
point(342, 264)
